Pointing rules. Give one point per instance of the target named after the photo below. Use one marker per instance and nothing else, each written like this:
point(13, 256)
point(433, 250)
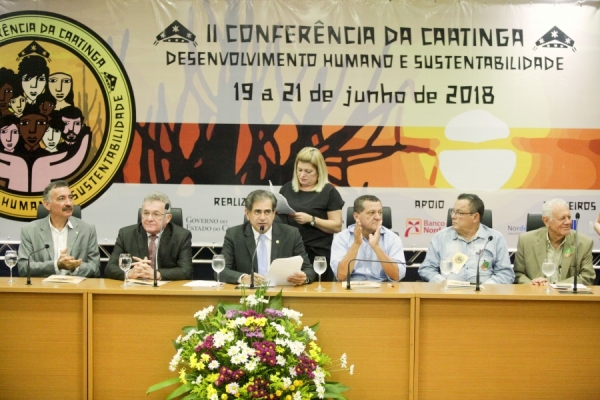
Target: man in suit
point(174, 245)
point(274, 241)
point(555, 241)
point(72, 243)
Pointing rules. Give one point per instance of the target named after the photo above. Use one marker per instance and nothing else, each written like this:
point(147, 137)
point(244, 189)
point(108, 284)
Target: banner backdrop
point(414, 102)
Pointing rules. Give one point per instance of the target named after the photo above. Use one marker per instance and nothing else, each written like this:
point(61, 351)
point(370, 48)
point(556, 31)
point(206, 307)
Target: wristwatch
point(312, 223)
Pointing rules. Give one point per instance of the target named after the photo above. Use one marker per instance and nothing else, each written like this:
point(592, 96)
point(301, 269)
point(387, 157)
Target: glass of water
point(218, 265)
point(548, 268)
point(10, 258)
point(320, 266)
point(125, 265)
point(446, 267)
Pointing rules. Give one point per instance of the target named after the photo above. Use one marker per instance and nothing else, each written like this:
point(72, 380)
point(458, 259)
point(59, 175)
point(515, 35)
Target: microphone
point(162, 228)
point(489, 239)
point(575, 255)
point(348, 286)
point(29, 259)
point(262, 229)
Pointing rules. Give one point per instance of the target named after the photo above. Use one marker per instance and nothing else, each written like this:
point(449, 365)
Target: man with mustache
point(73, 245)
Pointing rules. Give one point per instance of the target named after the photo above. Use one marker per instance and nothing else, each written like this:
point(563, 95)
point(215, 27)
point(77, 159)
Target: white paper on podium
point(202, 284)
point(282, 204)
point(281, 268)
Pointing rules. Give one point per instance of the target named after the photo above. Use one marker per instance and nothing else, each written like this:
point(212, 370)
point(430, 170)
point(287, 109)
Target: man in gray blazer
point(174, 244)
point(555, 241)
point(240, 243)
point(72, 243)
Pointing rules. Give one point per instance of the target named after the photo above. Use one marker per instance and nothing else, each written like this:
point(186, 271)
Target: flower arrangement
point(253, 350)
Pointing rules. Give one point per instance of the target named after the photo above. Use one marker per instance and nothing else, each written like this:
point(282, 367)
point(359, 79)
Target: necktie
point(152, 250)
point(263, 259)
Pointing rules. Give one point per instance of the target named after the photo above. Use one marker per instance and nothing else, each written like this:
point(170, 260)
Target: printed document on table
point(145, 282)
point(63, 279)
point(281, 268)
point(202, 284)
point(282, 204)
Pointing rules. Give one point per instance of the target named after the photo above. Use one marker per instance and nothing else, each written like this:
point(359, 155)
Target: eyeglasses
point(460, 213)
point(155, 214)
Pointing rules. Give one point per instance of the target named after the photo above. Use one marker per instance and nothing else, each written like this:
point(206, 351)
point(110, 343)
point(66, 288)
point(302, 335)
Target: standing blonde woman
point(317, 203)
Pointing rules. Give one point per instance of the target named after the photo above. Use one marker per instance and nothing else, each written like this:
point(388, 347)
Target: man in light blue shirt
point(368, 240)
point(464, 243)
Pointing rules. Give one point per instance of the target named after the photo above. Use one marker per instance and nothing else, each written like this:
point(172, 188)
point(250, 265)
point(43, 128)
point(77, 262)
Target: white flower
point(251, 365)
point(292, 372)
point(280, 329)
point(178, 340)
point(352, 369)
point(175, 360)
point(281, 360)
point(344, 360)
point(221, 338)
point(232, 388)
point(280, 342)
point(214, 397)
point(287, 382)
point(239, 359)
point(198, 380)
point(291, 314)
point(249, 300)
point(202, 314)
point(319, 376)
point(214, 364)
point(321, 391)
point(190, 334)
point(298, 396)
point(310, 333)
point(296, 347)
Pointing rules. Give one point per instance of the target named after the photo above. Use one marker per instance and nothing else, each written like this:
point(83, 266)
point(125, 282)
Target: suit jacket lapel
point(72, 235)
point(275, 239)
point(141, 241)
point(165, 241)
point(46, 236)
point(567, 262)
point(250, 245)
point(540, 250)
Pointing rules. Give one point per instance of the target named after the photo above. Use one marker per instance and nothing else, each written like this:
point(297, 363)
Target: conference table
point(98, 340)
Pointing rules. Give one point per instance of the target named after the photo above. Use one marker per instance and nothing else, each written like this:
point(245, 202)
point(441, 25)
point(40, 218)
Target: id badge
point(458, 261)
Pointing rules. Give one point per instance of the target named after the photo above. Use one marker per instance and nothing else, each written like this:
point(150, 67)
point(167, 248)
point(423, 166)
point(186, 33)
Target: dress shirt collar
point(53, 229)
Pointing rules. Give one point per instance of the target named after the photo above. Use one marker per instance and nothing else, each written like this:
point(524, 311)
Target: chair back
point(43, 213)
point(387, 217)
point(534, 221)
point(176, 216)
point(486, 219)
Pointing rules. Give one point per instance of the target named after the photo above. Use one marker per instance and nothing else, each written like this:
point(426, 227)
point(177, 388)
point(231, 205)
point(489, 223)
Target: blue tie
point(263, 259)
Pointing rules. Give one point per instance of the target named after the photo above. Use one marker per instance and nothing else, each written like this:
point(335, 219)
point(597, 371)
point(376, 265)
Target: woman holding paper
point(317, 203)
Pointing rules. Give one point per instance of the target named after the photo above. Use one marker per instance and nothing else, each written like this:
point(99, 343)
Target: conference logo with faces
point(67, 111)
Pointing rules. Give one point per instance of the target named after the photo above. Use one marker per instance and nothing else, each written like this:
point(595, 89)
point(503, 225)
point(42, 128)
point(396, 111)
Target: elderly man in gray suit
point(72, 243)
point(257, 242)
point(555, 241)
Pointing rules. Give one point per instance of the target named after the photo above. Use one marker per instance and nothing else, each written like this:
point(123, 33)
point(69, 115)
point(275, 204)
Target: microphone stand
point(262, 229)
point(162, 228)
point(348, 287)
point(477, 288)
point(575, 253)
point(29, 259)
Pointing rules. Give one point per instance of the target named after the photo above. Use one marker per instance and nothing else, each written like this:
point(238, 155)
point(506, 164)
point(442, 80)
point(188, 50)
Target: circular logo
point(67, 111)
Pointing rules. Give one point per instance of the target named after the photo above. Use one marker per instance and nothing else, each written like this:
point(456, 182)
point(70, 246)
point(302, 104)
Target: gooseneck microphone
point(262, 229)
point(29, 259)
point(162, 228)
point(575, 254)
point(348, 286)
point(489, 239)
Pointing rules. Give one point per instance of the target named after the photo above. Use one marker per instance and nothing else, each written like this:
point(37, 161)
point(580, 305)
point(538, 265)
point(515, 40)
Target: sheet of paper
point(282, 204)
point(63, 279)
point(145, 282)
point(281, 268)
point(202, 284)
point(567, 286)
point(453, 284)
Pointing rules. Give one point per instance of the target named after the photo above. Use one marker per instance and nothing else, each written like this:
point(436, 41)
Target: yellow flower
point(278, 393)
point(205, 357)
point(193, 360)
point(249, 321)
point(261, 321)
point(292, 388)
point(224, 396)
point(288, 397)
point(182, 375)
point(279, 349)
point(298, 383)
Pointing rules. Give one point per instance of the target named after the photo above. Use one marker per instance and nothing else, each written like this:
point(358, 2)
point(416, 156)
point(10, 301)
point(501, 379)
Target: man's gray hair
point(549, 205)
point(53, 185)
point(158, 196)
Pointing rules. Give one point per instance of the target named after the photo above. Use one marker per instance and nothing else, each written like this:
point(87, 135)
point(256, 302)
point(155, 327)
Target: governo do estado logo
point(67, 111)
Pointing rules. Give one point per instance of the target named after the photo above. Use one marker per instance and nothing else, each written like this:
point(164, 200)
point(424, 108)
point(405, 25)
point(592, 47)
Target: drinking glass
point(320, 266)
point(548, 268)
point(446, 267)
point(10, 258)
point(125, 265)
point(218, 265)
